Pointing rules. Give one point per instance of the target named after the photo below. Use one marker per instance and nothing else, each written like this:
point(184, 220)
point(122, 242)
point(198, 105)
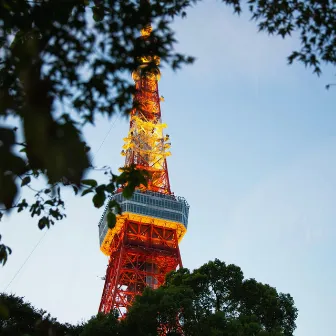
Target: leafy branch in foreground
point(214, 299)
point(312, 20)
point(60, 67)
point(49, 206)
point(63, 63)
point(4, 252)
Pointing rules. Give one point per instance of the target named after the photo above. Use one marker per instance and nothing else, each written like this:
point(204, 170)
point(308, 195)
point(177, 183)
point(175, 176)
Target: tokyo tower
point(144, 244)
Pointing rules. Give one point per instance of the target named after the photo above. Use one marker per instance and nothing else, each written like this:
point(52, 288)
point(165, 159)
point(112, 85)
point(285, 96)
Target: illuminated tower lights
point(144, 244)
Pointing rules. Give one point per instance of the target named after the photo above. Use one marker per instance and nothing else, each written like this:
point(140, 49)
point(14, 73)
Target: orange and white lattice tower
point(144, 244)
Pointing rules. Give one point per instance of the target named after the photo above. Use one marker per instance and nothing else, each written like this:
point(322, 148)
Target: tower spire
point(144, 244)
point(146, 146)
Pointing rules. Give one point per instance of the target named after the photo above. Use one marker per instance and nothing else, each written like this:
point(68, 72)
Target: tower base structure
point(143, 246)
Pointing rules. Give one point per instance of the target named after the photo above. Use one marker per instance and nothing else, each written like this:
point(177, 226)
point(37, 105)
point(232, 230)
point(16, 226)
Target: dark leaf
point(91, 183)
point(111, 220)
point(75, 190)
point(128, 191)
point(4, 252)
point(101, 188)
point(25, 181)
point(98, 200)
point(87, 191)
point(98, 13)
point(43, 222)
point(7, 137)
point(110, 187)
point(114, 205)
point(8, 190)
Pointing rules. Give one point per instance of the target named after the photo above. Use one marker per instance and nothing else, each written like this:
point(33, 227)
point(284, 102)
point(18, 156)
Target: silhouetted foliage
point(213, 300)
point(103, 325)
point(18, 318)
point(312, 20)
point(64, 62)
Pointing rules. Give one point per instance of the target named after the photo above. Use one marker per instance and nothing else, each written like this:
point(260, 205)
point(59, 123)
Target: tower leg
point(144, 256)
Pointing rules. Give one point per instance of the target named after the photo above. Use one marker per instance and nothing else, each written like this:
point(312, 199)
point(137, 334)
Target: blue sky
point(254, 153)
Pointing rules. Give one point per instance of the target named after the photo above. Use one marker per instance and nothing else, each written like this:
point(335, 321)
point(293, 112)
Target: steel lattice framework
point(144, 244)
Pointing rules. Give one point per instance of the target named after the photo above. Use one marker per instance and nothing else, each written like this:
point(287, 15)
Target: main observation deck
point(147, 207)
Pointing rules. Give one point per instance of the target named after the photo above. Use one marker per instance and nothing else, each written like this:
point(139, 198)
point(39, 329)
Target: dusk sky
point(253, 152)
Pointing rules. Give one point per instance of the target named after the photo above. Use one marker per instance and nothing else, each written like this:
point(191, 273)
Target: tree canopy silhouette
point(213, 300)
